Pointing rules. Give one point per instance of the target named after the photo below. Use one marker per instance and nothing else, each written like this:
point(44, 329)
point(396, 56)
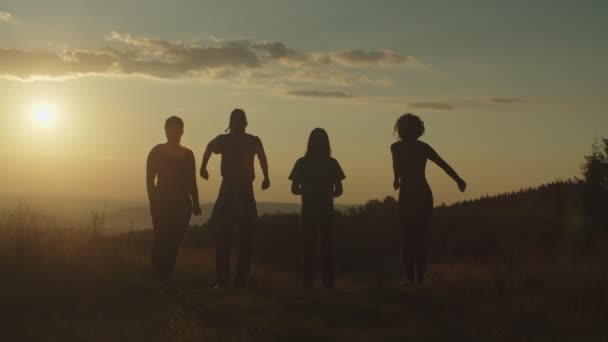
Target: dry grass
point(73, 285)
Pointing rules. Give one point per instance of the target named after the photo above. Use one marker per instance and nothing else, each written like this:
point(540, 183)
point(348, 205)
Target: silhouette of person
point(317, 177)
point(415, 197)
point(173, 198)
point(235, 206)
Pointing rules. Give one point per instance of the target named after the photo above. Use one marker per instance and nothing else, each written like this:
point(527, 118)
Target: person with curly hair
point(410, 156)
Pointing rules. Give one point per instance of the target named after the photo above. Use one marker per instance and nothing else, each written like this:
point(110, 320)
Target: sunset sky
point(512, 92)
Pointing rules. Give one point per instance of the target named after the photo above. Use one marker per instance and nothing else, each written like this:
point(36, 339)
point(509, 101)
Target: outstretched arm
point(462, 185)
point(206, 155)
point(264, 165)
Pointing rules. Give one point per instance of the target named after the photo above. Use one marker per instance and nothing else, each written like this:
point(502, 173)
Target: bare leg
point(420, 255)
point(408, 247)
point(420, 249)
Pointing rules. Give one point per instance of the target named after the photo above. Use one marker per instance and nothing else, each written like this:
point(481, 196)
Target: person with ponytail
point(235, 207)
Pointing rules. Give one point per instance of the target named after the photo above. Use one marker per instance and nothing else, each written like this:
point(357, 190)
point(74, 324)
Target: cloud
point(332, 76)
point(431, 105)
point(5, 16)
point(373, 57)
point(319, 94)
point(507, 100)
point(26, 64)
point(165, 59)
point(281, 52)
point(263, 61)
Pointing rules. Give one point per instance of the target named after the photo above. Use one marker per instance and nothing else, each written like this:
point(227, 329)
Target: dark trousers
point(222, 253)
point(414, 249)
point(318, 230)
point(169, 227)
point(235, 211)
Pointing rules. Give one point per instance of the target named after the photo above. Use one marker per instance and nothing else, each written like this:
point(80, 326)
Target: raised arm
point(263, 164)
point(434, 156)
point(196, 206)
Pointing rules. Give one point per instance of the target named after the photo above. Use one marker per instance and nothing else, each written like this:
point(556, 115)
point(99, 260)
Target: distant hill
point(69, 210)
point(548, 217)
point(121, 214)
point(544, 202)
point(138, 217)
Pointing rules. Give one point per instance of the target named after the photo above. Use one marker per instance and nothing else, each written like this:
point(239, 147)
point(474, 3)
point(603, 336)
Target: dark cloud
point(132, 55)
point(224, 74)
point(266, 75)
point(166, 59)
point(281, 52)
point(373, 57)
point(319, 94)
point(507, 100)
point(321, 59)
point(431, 105)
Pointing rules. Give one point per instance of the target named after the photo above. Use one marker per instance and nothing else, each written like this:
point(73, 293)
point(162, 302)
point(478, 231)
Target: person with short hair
point(235, 206)
point(415, 197)
point(317, 177)
point(173, 197)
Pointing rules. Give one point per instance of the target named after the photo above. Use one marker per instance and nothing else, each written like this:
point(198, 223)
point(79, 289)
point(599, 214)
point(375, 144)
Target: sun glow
point(44, 114)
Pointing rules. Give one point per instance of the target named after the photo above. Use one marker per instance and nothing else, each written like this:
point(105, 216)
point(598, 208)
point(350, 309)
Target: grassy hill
point(526, 266)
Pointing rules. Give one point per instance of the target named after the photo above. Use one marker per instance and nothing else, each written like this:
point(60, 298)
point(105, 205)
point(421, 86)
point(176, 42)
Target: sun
point(44, 114)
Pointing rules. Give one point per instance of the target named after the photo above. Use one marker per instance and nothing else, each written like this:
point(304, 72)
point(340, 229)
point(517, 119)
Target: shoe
point(220, 286)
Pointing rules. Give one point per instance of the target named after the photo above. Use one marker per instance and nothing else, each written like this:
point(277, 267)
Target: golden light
point(44, 114)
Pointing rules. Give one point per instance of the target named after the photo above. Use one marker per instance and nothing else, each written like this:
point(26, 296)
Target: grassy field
point(71, 285)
